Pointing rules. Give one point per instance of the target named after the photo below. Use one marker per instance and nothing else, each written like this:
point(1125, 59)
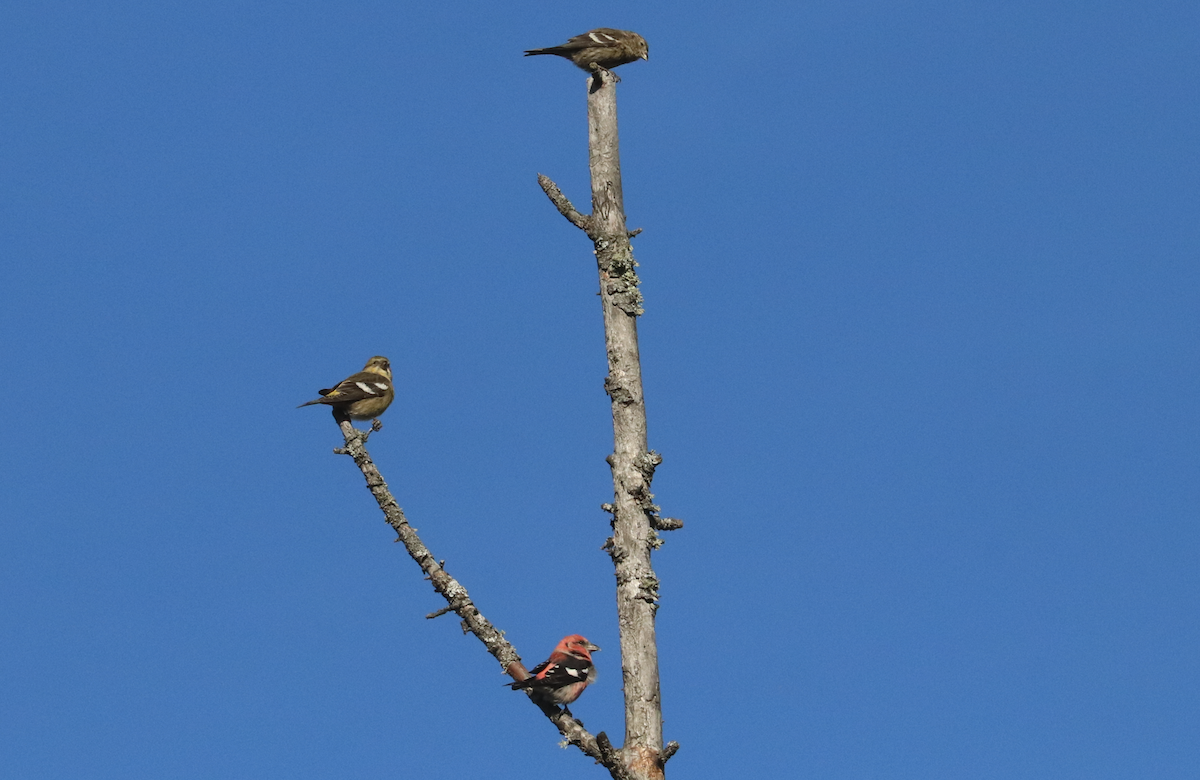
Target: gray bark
point(459, 601)
point(635, 518)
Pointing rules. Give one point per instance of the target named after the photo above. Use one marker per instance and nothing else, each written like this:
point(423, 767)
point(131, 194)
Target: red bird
point(563, 676)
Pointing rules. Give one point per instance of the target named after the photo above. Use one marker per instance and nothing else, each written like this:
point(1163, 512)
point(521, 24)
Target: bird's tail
point(320, 400)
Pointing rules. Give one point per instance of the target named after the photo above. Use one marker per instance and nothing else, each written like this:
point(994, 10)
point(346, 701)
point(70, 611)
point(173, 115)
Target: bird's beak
point(646, 56)
point(592, 648)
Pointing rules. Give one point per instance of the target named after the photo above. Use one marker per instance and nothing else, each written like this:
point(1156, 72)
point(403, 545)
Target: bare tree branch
point(563, 205)
point(457, 598)
point(635, 517)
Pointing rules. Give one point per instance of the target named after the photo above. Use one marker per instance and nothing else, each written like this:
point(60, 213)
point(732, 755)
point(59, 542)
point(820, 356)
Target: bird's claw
point(599, 69)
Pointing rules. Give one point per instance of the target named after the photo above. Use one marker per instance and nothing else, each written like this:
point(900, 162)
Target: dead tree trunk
point(635, 518)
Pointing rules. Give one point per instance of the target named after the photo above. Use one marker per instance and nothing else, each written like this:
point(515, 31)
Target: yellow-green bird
point(363, 396)
point(603, 47)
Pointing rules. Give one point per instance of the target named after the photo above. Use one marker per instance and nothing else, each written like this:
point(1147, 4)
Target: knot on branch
point(619, 393)
point(648, 462)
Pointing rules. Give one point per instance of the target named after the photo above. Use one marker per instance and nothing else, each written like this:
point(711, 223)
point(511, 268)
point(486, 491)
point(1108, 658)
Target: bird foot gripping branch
point(602, 72)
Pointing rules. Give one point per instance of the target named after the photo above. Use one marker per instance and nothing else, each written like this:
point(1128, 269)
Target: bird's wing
point(364, 384)
point(531, 679)
point(603, 37)
point(566, 671)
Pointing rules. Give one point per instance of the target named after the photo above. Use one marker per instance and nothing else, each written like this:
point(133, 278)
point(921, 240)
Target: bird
point(603, 48)
point(563, 676)
point(362, 396)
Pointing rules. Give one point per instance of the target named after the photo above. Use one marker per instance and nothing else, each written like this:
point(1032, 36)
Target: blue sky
point(920, 351)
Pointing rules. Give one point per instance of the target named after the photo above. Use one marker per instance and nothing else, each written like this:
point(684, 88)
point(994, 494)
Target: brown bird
point(603, 47)
point(363, 396)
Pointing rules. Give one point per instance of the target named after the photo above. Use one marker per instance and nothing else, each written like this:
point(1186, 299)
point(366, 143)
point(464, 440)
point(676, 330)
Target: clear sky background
point(921, 354)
